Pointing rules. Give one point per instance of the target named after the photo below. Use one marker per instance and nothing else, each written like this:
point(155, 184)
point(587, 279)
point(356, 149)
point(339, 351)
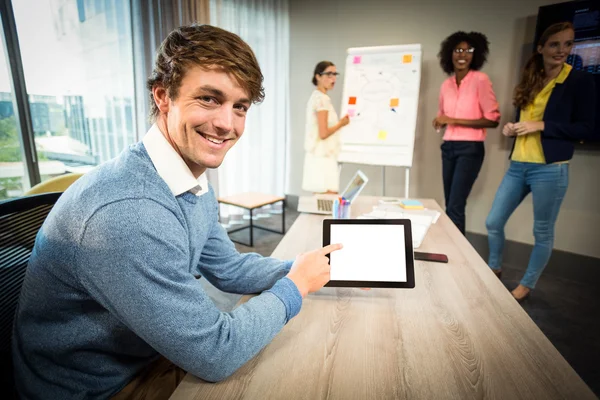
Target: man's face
point(206, 119)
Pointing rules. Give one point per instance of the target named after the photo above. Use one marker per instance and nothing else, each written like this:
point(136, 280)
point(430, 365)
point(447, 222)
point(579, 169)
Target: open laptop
point(323, 203)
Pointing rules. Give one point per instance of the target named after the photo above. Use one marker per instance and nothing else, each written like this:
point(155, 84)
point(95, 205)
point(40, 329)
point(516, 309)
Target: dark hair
point(320, 68)
point(532, 78)
point(207, 46)
point(475, 39)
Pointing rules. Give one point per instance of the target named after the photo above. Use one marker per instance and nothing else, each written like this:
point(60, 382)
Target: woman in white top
point(322, 143)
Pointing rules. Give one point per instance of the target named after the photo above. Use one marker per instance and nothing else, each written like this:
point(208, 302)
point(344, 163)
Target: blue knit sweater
point(111, 285)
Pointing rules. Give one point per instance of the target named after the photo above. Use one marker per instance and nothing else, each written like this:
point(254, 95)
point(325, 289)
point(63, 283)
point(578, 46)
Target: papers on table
point(420, 220)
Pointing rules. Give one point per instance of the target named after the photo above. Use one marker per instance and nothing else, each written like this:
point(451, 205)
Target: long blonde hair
point(532, 78)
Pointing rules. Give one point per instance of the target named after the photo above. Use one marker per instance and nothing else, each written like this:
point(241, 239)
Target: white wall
point(324, 29)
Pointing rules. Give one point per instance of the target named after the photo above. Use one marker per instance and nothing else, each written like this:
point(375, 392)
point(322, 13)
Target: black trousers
point(461, 163)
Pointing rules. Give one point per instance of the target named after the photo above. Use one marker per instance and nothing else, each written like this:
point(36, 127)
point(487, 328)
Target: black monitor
point(585, 56)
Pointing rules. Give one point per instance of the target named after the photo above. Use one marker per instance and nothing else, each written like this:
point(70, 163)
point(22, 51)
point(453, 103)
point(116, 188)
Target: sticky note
point(408, 202)
point(357, 59)
point(407, 59)
point(351, 112)
point(394, 102)
point(411, 204)
point(382, 135)
point(352, 100)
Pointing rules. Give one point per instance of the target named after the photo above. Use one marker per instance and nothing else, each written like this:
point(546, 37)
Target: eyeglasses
point(329, 73)
point(469, 50)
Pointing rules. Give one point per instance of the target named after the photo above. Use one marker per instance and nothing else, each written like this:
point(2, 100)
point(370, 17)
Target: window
point(13, 176)
point(78, 67)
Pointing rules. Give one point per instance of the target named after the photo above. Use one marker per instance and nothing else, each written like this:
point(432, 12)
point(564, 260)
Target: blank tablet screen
point(376, 253)
point(370, 253)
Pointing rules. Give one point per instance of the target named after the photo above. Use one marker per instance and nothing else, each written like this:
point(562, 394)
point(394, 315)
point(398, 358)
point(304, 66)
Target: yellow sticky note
point(407, 59)
point(394, 102)
point(382, 135)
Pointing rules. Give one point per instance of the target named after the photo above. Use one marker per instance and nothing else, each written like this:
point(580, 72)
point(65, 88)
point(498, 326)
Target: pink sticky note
point(351, 112)
point(357, 59)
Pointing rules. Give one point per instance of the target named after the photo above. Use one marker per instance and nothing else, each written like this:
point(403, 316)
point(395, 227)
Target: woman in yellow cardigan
point(556, 108)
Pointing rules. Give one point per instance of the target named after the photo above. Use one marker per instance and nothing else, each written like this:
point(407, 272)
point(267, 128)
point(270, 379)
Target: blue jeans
point(548, 184)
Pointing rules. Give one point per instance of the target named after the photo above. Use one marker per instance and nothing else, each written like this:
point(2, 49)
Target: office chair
point(20, 220)
point(57, 184)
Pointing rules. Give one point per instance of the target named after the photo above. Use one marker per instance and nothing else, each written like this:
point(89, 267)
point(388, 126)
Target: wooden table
point(458, 335)
point(251, 201)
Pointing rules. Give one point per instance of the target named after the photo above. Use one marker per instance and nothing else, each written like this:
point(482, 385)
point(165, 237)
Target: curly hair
point(319, 69)
point(532, 78)
point(475, 39)
point(206, 46)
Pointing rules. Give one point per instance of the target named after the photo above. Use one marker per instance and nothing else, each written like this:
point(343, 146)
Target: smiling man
point(110, 306)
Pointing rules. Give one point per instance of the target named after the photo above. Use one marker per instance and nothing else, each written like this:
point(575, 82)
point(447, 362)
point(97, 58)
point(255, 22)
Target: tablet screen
point(372, 252)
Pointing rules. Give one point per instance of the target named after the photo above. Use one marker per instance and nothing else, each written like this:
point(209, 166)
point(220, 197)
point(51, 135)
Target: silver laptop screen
point(353, 188)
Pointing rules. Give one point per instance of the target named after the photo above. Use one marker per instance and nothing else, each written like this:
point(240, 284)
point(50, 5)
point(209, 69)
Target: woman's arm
point(581, 126)
point(487, 103)
point(436, 125)
point(469, 123)
point(474, 123)
point(326, 131)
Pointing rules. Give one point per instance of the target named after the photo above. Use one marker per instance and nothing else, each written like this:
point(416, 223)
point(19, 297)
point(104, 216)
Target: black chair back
point(20, 220)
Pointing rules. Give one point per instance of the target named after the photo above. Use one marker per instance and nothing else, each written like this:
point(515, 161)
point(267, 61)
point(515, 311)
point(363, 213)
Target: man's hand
point(524, 128)
point(311, 270)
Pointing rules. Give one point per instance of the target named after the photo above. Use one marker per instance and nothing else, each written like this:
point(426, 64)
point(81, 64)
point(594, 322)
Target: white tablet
point(377, 253)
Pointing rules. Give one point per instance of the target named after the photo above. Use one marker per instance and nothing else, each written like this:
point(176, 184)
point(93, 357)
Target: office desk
point(458, 335)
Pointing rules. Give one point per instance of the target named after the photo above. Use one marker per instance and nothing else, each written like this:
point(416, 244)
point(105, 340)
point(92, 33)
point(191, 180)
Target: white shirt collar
point(170, 166)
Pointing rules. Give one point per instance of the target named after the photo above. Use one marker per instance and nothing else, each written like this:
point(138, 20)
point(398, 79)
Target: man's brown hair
point(206, 46)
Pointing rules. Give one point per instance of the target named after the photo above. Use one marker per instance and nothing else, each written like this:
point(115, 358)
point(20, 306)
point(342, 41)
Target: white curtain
point(152, 21)
point(257, 162)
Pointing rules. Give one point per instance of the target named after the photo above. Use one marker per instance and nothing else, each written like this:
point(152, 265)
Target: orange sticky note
point(352, 100)
point(394, 102)
point(407, 59)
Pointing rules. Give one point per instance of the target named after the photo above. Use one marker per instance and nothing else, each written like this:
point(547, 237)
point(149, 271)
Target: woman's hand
point(344, 121)
point(441, 121)
point(509, 130)
point(526, 127)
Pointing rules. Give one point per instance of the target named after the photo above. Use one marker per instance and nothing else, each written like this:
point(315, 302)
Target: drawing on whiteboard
point(381, 96)
point(376, 107)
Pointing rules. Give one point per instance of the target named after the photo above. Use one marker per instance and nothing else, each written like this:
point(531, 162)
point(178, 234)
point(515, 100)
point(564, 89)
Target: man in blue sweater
point(110, 306)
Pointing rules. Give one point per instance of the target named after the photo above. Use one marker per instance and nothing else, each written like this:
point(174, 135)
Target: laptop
point(323, 203)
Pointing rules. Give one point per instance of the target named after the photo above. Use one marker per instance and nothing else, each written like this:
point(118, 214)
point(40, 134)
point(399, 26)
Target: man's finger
point(330, 248)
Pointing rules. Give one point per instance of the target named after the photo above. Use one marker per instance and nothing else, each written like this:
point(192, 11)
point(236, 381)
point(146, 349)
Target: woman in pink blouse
point(467, 107)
